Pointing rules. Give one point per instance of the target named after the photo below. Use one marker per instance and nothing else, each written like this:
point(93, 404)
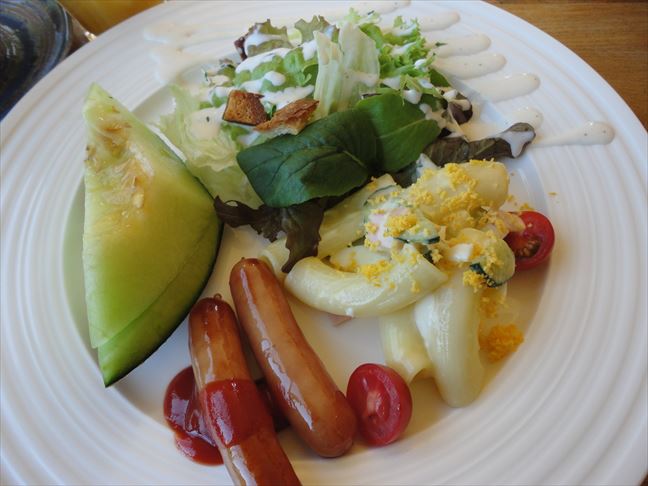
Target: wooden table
point(611, 36)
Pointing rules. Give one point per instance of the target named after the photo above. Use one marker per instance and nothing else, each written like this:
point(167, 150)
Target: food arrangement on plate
point(342, 145)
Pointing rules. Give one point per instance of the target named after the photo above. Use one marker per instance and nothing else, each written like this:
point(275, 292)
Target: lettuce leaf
point(263, 37)
point(346, 69)
point(210, 160)
point(317, 24)
point(509, 143)
point(329, 157)
point(329, 76)
point(300, 223)
point(403, 132)
point(297, 71)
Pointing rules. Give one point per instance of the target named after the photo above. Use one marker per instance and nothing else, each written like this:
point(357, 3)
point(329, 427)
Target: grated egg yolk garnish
point(500, 341)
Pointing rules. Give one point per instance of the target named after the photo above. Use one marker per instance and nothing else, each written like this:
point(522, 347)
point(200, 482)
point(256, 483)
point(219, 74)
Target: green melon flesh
point(145, 334)
point(149, 228)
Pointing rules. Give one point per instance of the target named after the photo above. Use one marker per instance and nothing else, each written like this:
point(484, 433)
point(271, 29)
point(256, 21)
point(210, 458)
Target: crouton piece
point(292, 118)
point(244, 108)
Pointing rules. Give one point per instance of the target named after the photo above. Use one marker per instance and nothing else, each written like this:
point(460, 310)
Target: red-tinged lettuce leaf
point(300, 223)
point(509, 143)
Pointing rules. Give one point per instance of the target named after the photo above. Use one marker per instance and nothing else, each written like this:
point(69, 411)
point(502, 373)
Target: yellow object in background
point(99, 15)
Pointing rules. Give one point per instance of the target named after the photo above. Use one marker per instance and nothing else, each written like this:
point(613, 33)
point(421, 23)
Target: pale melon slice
point(145, 334)
point(146, 218)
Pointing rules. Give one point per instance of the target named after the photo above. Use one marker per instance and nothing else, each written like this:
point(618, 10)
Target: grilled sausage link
point(298, 381)
point(236, 417)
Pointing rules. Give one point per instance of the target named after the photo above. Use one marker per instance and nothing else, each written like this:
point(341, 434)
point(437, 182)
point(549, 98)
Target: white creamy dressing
point(517, 140)
point(506, 87)
point(205, 124)
point(412, 95)
point(420, 63)
point(473, 66)
point(251, 63)
point(430, 114)
point(223, 91)
point(257, 38)
point(591, 133)
point(451, 95)
point(403, 31)
point(477, 128)
point(400, 50)
point(459, 58)
point(309, 49)
point(463, 46)
point(275, 78)
point(218, 80)
point(393, 82)
point(287, 96)
point(254, 86)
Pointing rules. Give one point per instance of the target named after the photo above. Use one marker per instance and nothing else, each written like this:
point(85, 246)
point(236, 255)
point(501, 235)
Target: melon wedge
point(125, 351)
point(149, 227)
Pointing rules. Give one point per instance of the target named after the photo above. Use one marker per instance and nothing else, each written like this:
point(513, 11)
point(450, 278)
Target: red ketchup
point(233, 400)
point(184, 415)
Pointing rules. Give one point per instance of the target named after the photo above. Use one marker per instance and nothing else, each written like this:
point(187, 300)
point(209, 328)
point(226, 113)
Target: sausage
point(298, 381)
point(236, 416)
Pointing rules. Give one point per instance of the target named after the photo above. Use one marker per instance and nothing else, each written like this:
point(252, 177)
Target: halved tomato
point(382, 402)
point(533, 245)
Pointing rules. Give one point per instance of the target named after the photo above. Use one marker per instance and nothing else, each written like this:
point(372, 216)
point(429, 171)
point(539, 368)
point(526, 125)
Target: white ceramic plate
point(570, 407)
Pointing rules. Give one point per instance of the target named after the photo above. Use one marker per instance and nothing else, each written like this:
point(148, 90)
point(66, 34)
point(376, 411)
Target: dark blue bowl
point(35, 35)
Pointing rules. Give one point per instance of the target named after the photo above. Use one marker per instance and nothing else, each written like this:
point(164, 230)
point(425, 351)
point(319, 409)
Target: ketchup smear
point(184, 413)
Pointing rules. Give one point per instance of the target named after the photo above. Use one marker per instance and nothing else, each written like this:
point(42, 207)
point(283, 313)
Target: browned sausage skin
point(237, 418)
point(298, 381)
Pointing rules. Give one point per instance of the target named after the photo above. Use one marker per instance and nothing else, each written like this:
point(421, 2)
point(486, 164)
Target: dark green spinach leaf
point(328, 158)
point(403, 132)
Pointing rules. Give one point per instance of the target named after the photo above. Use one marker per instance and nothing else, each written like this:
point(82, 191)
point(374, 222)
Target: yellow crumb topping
point(373, 271)
point(371, 227)
point(475, 280)
point(490, 257)
point(399, 257)
point(397, 224)
point(372, 245)
point(419, 196)
point(500, 341)
point(457, 175)
point(488, 307)
point(436, 255)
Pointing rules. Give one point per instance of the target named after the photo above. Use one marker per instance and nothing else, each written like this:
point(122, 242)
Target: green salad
point(380, 104)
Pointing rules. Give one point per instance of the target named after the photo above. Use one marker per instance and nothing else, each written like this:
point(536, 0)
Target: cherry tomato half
point(382, 403)
point(533, 245)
